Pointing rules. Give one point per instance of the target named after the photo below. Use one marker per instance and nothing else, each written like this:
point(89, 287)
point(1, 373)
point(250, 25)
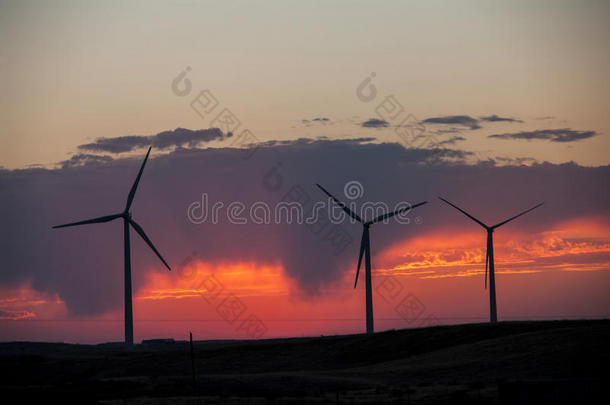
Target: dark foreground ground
point(551, 362)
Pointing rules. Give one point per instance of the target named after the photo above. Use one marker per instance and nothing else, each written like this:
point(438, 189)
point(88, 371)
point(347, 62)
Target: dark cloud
point(179, 137)
point(83, 159)
point(463, 120)
point(496, 118)
point(310, 141)
point(450, 141)
point(84, 265)
point(186, 137)
point(553, 135)
point(451, 130)
point(516, 161)
point(118, 144)
point(375, 123)
point(318, 121)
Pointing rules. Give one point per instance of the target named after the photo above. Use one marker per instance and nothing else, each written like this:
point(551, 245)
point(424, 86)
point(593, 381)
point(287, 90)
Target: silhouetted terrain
point(541, 362)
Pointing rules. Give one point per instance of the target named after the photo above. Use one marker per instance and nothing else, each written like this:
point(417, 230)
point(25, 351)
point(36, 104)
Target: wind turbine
point(365, 249)
point(489, 256)
point(127, 220)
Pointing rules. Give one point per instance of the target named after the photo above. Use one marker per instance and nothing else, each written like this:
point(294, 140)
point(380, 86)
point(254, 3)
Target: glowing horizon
point(181, 297)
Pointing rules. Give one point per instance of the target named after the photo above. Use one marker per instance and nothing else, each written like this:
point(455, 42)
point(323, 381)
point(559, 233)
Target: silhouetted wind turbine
point(365, 249)
point(489, 256)
point(127, 220)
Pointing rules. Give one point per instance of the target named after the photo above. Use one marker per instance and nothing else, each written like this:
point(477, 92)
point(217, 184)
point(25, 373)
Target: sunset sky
point(496, 106)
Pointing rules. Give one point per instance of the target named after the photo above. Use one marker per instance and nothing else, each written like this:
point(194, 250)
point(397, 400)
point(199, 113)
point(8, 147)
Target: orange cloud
point(195, 279)
point(576, 245)
point(24, 302)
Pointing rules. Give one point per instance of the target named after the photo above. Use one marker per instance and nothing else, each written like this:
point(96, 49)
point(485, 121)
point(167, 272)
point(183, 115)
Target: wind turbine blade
point(390, 215)
point(140, 231)
point(517, 216)
point(340, 204)
point(465, 213)
point(106, 218)
point(132, 192)
point(362, 246)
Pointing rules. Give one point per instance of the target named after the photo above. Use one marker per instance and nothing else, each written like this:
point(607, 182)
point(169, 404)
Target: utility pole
point(193, 362)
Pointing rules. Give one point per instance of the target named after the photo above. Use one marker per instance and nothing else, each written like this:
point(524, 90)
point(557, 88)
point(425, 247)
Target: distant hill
point(476, 363)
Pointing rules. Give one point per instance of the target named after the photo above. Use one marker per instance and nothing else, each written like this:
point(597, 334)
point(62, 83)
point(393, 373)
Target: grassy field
point(540, 362)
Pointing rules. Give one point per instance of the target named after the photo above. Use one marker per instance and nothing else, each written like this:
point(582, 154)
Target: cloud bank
point(84, 265)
